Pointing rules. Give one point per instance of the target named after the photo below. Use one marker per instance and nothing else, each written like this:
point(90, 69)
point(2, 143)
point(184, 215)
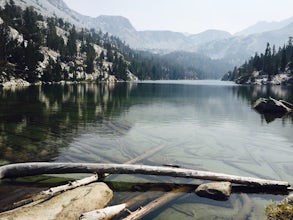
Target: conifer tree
point(283, 59)
point(71, 43)
point(4, 40)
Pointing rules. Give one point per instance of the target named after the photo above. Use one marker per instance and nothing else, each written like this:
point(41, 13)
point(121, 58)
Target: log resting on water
point(31, 169)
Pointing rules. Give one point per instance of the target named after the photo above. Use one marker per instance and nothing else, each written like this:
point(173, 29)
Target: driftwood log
point(113, 211)
point(143, 211)
point(65, 206)
point(47, 194)
point(30, 169)
point(146, 154)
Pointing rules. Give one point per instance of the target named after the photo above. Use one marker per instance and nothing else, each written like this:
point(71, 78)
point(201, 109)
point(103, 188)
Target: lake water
point(205, 125)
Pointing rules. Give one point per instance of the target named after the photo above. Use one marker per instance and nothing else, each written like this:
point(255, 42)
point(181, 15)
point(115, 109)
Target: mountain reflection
point(40, 123)
point(37, 122)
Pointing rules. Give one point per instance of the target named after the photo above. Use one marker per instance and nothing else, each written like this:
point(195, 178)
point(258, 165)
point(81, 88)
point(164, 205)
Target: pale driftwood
point(142, 156)
point(146, 154)
point(30, 169)
point(105, 213)
point(143, 211)
point(113, 211)
point(44, 195)
point(71, 185)
point(67, 205)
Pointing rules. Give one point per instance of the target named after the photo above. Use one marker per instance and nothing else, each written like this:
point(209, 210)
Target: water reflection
point(40, 123)
point(252, 93)
point(37, 122)
point(203, 126)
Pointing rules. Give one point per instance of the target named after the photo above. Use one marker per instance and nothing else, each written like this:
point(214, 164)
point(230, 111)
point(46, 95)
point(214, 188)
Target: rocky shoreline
point(20, 83)
point(256, 78)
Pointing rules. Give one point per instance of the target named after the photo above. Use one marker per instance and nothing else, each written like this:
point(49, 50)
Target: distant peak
point(58, 3)
point(264, 26)
point(117, 18)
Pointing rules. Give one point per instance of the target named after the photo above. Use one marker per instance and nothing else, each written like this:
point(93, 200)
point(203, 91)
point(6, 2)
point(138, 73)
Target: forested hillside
point(271, 67)
point(35, 48)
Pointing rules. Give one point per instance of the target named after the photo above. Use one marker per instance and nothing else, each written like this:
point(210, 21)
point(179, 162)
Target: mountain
point(38, 49)
point(53, 8)
point(207, 67)
point(215, 44)
point(166, 41)
point(264, 26)
point(237, 49)
point(209, 36)
point(121, 27)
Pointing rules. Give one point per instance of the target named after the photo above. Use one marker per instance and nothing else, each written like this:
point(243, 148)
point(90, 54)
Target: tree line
point(24, 35)
point(270, 63)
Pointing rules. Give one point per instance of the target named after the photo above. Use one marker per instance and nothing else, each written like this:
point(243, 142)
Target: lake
point(205, 125)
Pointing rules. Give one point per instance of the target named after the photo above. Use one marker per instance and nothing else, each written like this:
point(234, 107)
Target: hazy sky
point(190, 16)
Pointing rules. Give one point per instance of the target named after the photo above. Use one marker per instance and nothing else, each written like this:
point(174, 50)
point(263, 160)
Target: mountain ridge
point(216, 44)
point(264, 26)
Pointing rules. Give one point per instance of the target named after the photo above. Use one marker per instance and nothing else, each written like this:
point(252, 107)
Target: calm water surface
point(206, 125)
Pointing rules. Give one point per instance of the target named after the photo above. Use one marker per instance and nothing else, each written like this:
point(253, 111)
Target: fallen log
point(30, 169)
point(142, 156)
point(68, 205)
point(47, 194)
point(113, 211)
point(105, 213)
point(143, 211)
point(146, 154)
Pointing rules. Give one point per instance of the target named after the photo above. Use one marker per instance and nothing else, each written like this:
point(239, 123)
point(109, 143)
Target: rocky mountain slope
point(48, 49)
point(264, 26)
point(237, 49)
point(215, 44)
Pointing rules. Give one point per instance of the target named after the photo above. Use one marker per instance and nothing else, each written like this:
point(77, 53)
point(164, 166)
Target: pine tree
point(283, 59)
point(32, 57)
point(267, 63)
point(71, 43)
point(4, 40)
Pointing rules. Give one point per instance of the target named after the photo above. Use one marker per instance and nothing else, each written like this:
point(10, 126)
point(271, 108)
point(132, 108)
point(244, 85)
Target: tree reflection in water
point(39, 121)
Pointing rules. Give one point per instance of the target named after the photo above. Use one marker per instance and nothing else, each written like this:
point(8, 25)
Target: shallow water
point(206, 125)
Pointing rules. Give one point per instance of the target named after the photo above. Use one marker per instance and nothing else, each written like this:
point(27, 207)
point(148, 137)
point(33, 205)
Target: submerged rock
point(215, 190)
point(68, 205)
point(271, 105)
point(271, 109)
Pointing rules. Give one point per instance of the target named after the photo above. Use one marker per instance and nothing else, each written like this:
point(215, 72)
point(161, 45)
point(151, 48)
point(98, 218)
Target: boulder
point(263, 105)
point(68, 205)
point(215, 190)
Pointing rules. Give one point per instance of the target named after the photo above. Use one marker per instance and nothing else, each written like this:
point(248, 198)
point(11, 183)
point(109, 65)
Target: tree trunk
point(113, 211)
point(146, 155)
point(29, 169)
point(47, 194)
point(44, 195)
point(155, 204)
